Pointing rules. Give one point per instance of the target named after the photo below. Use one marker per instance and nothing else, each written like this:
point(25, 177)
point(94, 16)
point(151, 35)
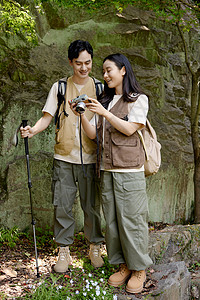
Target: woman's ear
point(123, 69)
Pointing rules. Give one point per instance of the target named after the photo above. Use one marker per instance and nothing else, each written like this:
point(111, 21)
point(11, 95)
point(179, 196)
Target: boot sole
point(119, 283)
point(63, 271)
point(134, 291)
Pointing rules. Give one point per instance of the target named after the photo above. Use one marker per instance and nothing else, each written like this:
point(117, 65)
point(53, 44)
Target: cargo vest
point(120, 151)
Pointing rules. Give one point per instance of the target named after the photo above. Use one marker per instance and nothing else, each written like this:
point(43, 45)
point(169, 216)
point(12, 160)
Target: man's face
point(82, 66)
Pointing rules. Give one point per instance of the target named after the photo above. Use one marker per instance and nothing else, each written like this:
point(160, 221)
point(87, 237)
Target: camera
point(80, 103)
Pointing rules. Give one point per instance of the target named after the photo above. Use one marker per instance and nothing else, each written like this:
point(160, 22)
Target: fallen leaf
point(9, 272)
point(2, 277)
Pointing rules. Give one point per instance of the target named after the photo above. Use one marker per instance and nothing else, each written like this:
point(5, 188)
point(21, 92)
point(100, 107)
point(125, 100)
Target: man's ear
point(70, 62)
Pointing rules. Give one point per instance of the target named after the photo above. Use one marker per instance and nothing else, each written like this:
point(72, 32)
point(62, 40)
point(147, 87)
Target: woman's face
point(113, 76)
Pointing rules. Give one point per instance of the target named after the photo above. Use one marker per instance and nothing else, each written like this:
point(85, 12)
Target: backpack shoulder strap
point(99, 86)
point(62, 87)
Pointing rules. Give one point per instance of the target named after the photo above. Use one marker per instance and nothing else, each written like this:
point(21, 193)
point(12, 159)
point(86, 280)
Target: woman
point(121, 113)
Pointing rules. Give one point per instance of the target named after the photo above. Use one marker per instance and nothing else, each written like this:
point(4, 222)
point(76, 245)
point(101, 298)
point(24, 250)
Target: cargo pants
point(125, 209)
point(66, 176)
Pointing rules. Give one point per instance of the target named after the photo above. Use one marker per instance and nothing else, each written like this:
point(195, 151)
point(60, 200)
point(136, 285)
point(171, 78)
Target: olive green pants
point(66, 177)
point(125, 208)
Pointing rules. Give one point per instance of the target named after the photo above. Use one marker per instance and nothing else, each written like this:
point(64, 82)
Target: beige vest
point(65, 136)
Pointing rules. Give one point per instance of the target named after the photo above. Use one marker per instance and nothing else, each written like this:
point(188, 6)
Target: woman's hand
point(96, 107)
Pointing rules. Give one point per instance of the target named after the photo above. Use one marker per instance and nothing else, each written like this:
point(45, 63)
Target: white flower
point(87, 286)
point(102, 271)
point(77, 292)
point(68, 298)
point(114, 297)
point(71, 281)
point(97, 287)
point(90, 275)
point(97, 293)
point(101, 279)
point(104, 292)
point(59, 287)
point(85, 294)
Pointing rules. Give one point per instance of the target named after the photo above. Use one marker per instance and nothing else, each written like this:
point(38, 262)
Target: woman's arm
point(123, 126)
point(40, 125)
point(89, 129)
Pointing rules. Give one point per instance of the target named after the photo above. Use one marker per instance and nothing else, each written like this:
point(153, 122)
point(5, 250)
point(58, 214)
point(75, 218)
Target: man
point(68, 171)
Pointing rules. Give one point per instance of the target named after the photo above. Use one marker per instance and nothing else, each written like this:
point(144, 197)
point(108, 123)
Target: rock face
point(173, 283)
point(156, 52)
point(175, 243)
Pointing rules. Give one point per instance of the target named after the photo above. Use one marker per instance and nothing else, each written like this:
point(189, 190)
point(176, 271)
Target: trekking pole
point(24, 124)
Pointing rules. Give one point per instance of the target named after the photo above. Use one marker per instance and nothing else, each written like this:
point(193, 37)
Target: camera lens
point(80, 107)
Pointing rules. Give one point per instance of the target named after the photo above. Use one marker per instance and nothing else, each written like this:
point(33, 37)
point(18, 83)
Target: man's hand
point(26, 132)
point(73, 108)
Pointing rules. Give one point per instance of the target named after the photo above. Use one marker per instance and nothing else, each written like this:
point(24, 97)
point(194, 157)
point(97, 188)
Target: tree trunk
point(197, 192)
point(195, 106)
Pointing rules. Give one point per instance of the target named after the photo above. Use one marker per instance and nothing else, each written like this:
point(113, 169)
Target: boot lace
point(123, 268)
point(63, 253)
point(137, 274)
point(95, 252)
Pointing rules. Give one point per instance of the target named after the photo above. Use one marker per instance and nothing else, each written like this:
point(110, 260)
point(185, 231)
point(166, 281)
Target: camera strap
point(81, 150)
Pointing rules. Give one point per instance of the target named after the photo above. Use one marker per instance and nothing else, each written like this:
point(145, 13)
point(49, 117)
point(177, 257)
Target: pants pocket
point(135, 197)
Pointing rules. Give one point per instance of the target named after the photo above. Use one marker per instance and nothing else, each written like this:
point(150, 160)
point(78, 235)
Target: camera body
point(80, 103)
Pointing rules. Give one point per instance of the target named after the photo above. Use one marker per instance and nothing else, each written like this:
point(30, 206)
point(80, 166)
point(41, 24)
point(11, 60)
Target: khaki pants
point(66, 176)
point(125, 208)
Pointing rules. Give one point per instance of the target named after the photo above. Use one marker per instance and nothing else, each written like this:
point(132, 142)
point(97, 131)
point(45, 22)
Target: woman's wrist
point(108, 115)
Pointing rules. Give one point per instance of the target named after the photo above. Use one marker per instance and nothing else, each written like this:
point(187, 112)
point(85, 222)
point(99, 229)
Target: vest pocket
point(125, 150)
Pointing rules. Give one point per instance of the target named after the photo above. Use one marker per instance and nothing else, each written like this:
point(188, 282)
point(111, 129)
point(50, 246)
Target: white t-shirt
point(137, 113)
point(74, 156)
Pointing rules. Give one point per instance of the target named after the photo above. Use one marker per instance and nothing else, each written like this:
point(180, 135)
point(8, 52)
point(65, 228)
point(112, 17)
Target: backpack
point(62, 86)
point(152, 149)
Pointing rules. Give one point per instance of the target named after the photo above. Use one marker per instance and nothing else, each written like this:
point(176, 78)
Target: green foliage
point(194, 267)
point(45, 238)
point(9, 237)
point(17, 20)
point(78, 285)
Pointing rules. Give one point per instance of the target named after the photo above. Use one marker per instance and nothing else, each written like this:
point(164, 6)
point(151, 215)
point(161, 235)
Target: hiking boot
point(120, 277)
point(136, 282)
point(64, 259)
point(95, 256)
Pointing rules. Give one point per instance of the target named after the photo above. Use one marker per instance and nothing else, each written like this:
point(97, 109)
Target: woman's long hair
point(130, 85)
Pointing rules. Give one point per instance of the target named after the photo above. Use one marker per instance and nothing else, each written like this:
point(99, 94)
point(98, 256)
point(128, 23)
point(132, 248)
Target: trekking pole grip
point(24, 124)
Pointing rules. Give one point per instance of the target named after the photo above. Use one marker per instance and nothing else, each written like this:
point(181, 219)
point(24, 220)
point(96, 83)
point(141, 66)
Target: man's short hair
point(78, 46)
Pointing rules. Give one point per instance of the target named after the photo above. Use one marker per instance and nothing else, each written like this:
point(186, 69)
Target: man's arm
point(40, 125)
